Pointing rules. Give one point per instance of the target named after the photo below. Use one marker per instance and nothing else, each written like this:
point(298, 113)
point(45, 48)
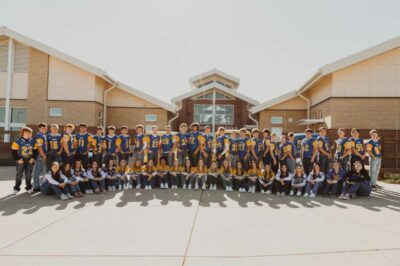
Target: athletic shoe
point(70, 196)
point(131, 187)
point(196, 186)
point(291, 193)
point(189, 186)
point(166, 186)
point(109, 188)
point(262, 191)
point(162, 185)
point(312, 195)
point(15, 192)
point(306, 195)
point(346, 197)
point(63, 197)
point(184, 186)
point(30, 191)
point(298, 194)
point(283, 194)
point(137, 186)
point(268, 192)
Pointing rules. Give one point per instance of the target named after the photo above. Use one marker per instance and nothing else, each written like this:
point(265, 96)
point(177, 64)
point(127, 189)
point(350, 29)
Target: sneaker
point(150, 187)
point(249, 190)
point(131, 187)
point(109, 188)
point(189, 186)
point(312, 195)
point(166, 186)
point(215, 186)
point(203, 187)
point(70, 196)
point(121, 187)
point(291, 193)
point(298, 194)
point(196, 186)
point(253, 190)
point(268, 192)
point(341, 196)
point(162, 185)
point(262, 191)
point(15, 192)
point(63, 197)
point(146, 187)
point(184, 186)
point(346, 197)
point(283, 194)
point(137, 186)
point(30, 191)
point(306, 195)
point(87, 192)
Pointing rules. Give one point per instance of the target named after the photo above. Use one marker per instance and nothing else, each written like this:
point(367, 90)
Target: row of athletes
point(66, 147)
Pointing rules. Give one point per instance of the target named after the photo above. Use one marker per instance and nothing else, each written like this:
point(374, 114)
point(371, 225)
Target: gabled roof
point(4, 31)
point(273, 102)
point(213, 71)
point(146, 97)
point(218, 87)
point(351, 60)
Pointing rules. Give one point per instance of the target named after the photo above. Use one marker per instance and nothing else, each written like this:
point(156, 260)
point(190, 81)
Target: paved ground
point(197, 228)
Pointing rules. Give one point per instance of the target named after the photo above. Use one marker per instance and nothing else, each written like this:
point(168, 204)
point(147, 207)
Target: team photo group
point(71, 163)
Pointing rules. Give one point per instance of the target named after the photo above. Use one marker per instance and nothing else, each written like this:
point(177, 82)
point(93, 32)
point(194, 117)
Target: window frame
point(209, 104)
point(150, 120)
point(55, 108)
point(276, 123)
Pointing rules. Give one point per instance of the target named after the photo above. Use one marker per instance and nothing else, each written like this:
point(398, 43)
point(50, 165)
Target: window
point(148, 129)
point(276, 120)
point(18, 116)
point(56, 112)
point(151, 117)
point(209, 96)
point(321, 114)
point(100, 115)
point(223, 114)
point(277, 131)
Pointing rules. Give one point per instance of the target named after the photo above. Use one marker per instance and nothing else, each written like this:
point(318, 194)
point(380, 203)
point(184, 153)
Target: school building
point(361, 90)
point(213, 99)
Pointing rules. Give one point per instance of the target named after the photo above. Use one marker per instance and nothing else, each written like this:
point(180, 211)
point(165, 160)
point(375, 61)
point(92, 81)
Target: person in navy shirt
point(309, 149)
point(84, 144)
point(24, 151)
point(140, 145)
point(291, 153)
point(256, 146)
point(222, 148)
point(68, 143)
point(167, 145)
point(324, 150)
point(111, 142)
point(182, 143)
point(333, 180)
point(233, 149)
point(194, 145)
point(40, 161)
point(207, 151)
point(124, 148)
point(98, 146)
point(357, 147)
point(374, 150)
point(343, 149)
point(154, 145)
point(244, 147)
point(54, 146)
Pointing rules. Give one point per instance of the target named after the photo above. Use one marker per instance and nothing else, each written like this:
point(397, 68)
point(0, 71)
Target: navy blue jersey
point(24, 147)
point(194, 140)
point(243, 144)
point(54, 142)
point(125, 143)
point(233, 146)
point(182, 139)
point(83, 142)
point(324, 143)
point(139, 142)
point(41, 141)
point(111, 143)
point(308, 147)
point(208, 140)
point(342, 145)
point(154, 142)
point(358, 145)
point(375, 148)
point(258, 145)
point(221, 142)
point(97, 142)
point(166, 143)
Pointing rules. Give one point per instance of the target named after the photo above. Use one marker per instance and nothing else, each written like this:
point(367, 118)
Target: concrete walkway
point(176, 227)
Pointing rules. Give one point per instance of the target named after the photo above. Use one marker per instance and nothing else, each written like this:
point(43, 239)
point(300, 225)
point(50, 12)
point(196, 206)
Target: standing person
point(290, 152)
point(41, 158)
point(24, 151)
point(140, 144)
point(309, 150)
point(314, 181)
point(256, 146)
point(154, 145)
point(207, 151)
point(298, 182)
point(374, 150)
point(222, 146)
point(267, 180)
point(96, 177)
point(54, 146)
point(266, 154)
point(68, 143)
point(98, 146)
point(356, 182)
point(357, 147)
point(274, 150)
point(343, 149)
point(194, 144)
point(283, 181)
point(84, 140)
point(233, 149)
point(244, 145)
point(283, 151)
point(111, 142)
point(182, 143)
point(55, 182)
point(167, 145)
point(333, 179)
point(124, 148)
point(324, 150)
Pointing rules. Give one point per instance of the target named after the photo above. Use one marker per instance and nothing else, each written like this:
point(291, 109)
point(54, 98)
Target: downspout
point(308, 103)
point(10, 72)
point(175, 117)
point(105, 101)
point(252, 118)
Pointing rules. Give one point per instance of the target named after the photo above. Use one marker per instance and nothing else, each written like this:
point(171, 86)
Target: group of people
point(72, 164)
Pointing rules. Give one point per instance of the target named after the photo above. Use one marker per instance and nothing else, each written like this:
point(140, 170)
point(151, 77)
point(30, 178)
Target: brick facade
point(264, 118)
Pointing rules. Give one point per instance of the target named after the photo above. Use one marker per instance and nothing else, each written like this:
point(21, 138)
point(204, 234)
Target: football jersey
point(54, 142)
point(324, 143)
point(97, 142)
point(208, 139)
point(221, 142)
point(111, 143)
point(154, 142)
point(194, 140)
point(243, 144)
point(375, 148)
point(166, 143)
point(233, 146)
point(182, 139)
point(83, 141)
point(70, 139)
point(358, 145)
point(308, 147)
point(24, 147)
point(257, 143)
point(342, 145)
point(41, 141)
point(139, 142)
point(125, 143)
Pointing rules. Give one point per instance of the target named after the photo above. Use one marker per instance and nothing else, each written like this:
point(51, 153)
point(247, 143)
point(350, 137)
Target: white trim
point(52, 108)
point(217, 86)
point(146, 97)
point(214, 71)
point(150, 120)
point(351, 60)
point(273, 102)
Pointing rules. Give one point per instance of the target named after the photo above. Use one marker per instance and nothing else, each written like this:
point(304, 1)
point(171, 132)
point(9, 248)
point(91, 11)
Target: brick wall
point(130, 116)
point(264, 118)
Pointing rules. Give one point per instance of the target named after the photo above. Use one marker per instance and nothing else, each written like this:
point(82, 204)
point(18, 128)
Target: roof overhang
point(308, 122)
point(214, 85)
point(273, 102)
point(211, 72)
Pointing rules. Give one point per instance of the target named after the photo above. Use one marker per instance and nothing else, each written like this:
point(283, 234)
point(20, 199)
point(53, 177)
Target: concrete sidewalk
point(177, 227)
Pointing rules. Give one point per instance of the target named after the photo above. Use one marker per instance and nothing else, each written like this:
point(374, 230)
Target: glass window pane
point(18, 115)
point(276, 119)
point(2, 114)
point(56, 112)
point(277, 131)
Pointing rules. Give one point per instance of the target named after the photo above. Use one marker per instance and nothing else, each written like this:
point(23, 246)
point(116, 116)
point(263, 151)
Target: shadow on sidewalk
point(30, 203)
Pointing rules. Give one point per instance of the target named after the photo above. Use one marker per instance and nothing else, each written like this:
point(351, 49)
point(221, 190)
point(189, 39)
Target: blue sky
point(156, 46)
